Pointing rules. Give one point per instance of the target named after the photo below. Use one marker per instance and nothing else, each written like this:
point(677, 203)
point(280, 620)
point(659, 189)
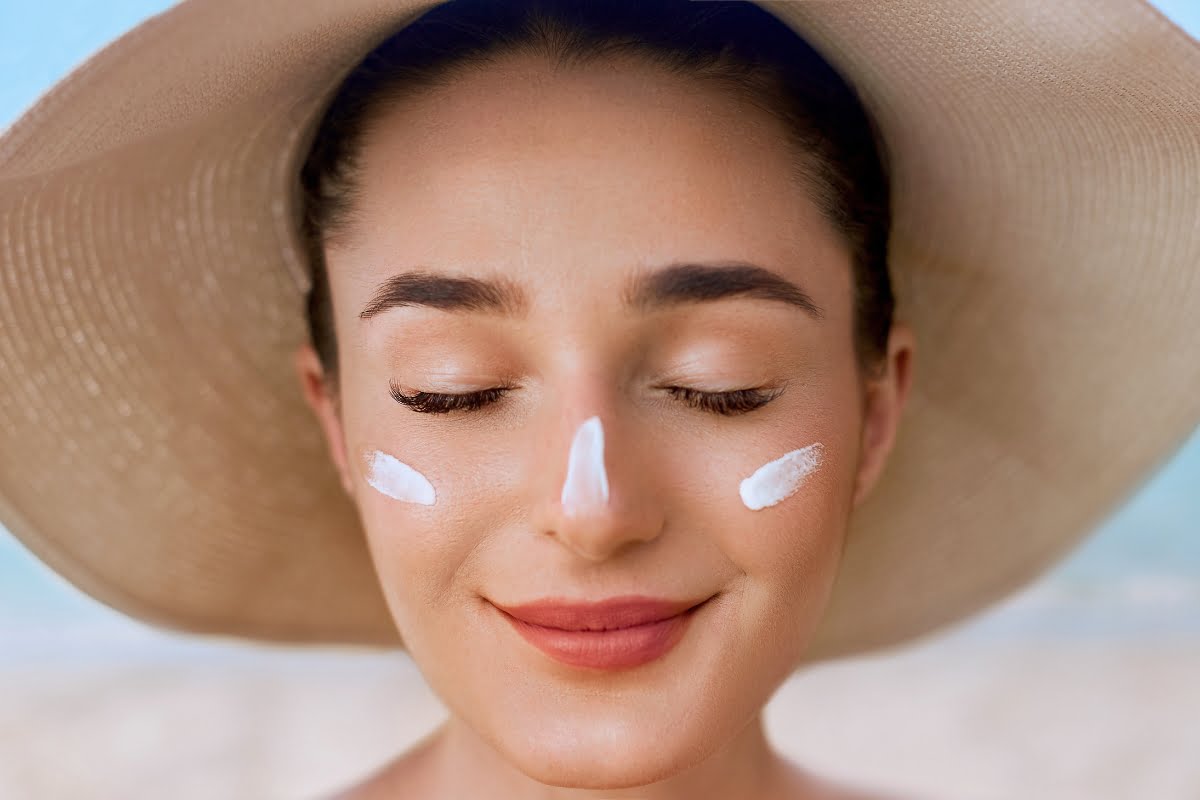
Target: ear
point(884, 402)
point(325, 407)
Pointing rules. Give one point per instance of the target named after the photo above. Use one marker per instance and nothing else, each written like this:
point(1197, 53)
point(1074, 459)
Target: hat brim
point(157, 451)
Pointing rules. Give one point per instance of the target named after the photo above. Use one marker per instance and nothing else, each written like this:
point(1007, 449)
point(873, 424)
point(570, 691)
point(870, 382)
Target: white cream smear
point(586, 483)
point(780, 478)
point(398, 480)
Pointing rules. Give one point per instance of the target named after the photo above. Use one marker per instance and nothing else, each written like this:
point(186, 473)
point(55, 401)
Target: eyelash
point(729, 404)
point(732, 403)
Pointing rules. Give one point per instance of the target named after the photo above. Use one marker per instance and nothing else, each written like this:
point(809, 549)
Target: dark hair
point(732, 43)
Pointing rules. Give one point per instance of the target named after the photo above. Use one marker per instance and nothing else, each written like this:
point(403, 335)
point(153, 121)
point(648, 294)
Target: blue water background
point(1137, 576)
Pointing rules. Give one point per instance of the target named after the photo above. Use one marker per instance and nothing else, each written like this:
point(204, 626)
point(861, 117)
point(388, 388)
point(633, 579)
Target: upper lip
point(614, 612)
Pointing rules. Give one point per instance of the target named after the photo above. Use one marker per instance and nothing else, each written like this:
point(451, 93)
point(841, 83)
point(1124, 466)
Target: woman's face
point(606, 205)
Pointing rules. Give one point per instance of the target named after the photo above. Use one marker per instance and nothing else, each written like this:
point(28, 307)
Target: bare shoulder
point(407, 775)
point(805, 785)
point(849, 792)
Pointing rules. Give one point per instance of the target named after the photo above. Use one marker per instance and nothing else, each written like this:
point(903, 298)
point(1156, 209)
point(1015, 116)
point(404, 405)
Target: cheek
point(775, 495)
point(409, 502)
point(431, 558)
point(785, 554)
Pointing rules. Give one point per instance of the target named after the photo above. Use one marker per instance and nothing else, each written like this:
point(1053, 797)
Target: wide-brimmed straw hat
point(156, 450)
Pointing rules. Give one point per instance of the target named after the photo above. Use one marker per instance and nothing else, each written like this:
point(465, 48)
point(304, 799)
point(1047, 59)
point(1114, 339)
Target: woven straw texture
point(155, 448)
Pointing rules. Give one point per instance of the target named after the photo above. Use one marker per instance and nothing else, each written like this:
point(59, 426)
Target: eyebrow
point(650, 290)
point(449, 293)
point(677, 284)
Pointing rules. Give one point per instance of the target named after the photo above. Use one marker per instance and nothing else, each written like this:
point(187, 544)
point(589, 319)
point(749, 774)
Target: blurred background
point(1084, 685)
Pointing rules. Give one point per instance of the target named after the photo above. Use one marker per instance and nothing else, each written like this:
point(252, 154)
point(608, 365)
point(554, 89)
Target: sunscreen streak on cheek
point(586, 483)
point(392, 477)
point(778, 479)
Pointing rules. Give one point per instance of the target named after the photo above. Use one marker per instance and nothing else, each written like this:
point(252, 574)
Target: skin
point(577, 178)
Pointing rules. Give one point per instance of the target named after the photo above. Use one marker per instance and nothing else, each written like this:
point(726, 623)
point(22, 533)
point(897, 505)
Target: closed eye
point(730, 403)
point(440, 403)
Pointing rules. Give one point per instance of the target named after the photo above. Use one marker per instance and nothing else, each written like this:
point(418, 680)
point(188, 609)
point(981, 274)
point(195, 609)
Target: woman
point(601, 346)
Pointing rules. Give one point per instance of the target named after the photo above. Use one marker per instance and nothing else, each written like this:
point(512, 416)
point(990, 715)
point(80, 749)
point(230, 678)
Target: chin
point(601, 755)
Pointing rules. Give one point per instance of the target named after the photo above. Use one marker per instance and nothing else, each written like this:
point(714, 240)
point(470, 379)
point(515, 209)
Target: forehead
point(545, 173)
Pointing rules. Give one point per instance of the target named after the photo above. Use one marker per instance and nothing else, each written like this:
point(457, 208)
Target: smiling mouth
point(614, 613)
point(645, 633)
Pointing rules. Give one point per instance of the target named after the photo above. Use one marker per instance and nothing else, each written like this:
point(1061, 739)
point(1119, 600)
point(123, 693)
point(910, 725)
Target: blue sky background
point(1140, 572)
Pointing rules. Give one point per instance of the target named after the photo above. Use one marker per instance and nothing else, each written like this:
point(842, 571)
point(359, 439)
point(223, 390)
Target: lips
point(611, 614)
point(618, 633)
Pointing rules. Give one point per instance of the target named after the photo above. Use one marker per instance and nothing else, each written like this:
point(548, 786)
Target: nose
point(586, 484)
point(603, 503)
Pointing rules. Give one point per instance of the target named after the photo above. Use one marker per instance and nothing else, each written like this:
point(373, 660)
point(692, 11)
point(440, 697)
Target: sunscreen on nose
point(586, 483)
point(392, 477)
point(778, 479)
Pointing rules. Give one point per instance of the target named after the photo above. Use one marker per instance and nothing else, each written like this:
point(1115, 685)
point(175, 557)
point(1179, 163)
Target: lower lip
point(622, 648)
